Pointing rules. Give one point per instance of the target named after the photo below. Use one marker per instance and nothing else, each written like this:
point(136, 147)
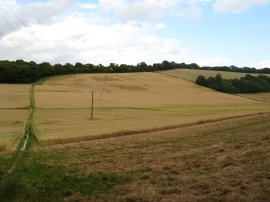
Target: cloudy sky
point(207, 32)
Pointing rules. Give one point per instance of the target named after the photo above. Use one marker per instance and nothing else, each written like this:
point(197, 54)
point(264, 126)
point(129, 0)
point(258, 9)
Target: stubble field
point(223, 161)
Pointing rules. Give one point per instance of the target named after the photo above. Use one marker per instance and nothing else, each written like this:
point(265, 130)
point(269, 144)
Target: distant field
point(14, 95)
point(11, 128)
point(258, 96)
point(223, 161)
point(191, 74)
point(125, 90)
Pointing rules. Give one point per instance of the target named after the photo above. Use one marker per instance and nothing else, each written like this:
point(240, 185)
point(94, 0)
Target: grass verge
point(33, 181)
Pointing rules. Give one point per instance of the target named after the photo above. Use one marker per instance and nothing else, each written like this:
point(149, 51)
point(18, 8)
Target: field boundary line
point(61, 141)
point(252, 98)
point(171, 76)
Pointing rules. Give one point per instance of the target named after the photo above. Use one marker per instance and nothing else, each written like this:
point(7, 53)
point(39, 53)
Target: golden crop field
point(125, 90)
point(127, 102)
point(11, 127)
point(258, 96)
point(64, 124)
point(14, 95)
point(192, 74)
point(13, 99)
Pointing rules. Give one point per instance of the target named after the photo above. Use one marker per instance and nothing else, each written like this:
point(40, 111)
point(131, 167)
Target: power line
point(24, 25)
point(11, 28)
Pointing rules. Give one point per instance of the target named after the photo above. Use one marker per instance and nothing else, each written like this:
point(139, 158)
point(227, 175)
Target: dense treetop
point(20, 71)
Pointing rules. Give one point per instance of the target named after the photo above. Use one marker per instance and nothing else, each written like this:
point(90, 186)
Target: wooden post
point(92, 108)
point(103, 88)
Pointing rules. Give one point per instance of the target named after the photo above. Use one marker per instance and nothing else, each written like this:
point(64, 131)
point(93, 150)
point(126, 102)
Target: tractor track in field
point(26, 138)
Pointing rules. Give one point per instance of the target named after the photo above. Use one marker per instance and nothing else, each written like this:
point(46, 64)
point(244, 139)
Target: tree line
point(20, 71)
point(246, 84)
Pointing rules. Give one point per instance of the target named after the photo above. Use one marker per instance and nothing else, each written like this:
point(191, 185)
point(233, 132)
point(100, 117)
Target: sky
point(206, 32)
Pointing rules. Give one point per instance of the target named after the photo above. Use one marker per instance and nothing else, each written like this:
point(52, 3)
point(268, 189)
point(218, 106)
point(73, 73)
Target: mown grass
point(34, 181)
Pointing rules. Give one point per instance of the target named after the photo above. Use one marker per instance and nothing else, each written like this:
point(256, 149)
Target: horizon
point(205, 32)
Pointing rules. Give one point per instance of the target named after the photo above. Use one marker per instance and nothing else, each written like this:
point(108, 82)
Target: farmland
point(11, 128)
point(127, 102)
point(258, 96)
point(14, 100)
point(191, 75)
point(227, 160)
point(153, 137)
point(14, 96)
point(125, 90)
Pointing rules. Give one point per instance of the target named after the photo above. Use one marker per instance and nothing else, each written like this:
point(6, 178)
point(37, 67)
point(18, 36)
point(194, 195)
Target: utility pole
point(103, 88)
point(92, 108)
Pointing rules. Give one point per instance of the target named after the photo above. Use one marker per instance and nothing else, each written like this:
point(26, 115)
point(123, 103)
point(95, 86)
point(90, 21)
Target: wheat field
point(192, 74)
point(127, 102)
point(258, 96)
point(14, 101)
point(14, 95)
point(11, 128)
point(125, 90)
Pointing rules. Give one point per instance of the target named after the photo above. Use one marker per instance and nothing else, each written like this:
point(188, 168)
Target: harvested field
point(191, 74)
point(14, 95)
point(11, 128)
point(125, 90)
point(224, 161)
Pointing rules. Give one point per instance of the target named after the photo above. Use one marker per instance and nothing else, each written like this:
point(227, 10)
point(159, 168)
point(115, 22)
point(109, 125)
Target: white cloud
point(150, 10)
point(194, 12)
point(88, 6)
point(265, 63)
point(139, 10)
point(236, 6)
point(14, 15)
point(215, 61)
point(160, 26)
point(77, 38)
